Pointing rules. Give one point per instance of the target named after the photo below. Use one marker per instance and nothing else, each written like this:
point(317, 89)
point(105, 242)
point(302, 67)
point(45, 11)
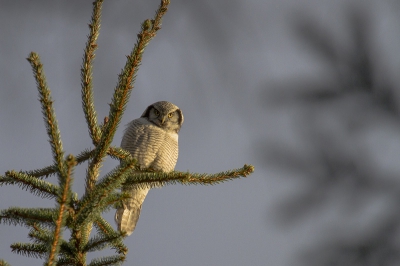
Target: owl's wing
point(143, 140)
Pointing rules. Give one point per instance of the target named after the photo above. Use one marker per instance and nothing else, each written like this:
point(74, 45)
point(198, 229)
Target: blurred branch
point(352, 68)
point(334, 114)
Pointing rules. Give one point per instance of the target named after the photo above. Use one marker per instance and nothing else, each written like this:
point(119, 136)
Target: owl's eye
point(156, 112)
point(170, 115)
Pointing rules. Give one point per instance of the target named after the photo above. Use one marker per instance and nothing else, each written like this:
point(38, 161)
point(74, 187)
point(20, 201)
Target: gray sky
point(213, 59)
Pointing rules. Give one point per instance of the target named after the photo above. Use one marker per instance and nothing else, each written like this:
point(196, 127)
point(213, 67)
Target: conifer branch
point(121, 95)
point(86, 73)
point(92, 199)
point(4, 263)
point(38, 251)
point(124, 87)
point(43, 236)
point(48, 112)
point(119, 153)
point(36, 186)
point(105, 229)
point(162, 9)
point(39, 235)
point(64, 261)
point(113, 152)
point(63, 200)
point(111, 200)
point(52, 169)
point(213, 179)
point(100, 242)
point(44, 172)
point(111, 260)
point(47, 224)
point(66, 249)
point(157, 179)
point(28, 216)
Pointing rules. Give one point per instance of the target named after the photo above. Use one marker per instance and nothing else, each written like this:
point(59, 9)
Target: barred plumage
point(152, 140)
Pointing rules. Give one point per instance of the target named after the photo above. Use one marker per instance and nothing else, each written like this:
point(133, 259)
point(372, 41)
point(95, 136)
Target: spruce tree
point(79, 215)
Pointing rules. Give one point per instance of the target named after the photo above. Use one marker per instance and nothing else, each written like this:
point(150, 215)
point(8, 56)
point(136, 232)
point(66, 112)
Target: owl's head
point(165, 115)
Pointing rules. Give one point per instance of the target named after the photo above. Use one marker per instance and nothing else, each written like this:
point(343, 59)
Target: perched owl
point(152, 140)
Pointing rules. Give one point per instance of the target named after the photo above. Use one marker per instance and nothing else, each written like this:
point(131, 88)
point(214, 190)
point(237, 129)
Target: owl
point(152, 140)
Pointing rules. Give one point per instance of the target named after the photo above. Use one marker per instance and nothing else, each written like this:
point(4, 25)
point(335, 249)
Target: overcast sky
point(212, 58)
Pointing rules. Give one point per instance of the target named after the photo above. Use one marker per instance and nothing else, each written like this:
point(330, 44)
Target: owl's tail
point(127, 216)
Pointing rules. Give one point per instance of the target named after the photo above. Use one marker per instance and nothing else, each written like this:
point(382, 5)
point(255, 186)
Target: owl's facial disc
point(165, 119)
point(169, 118)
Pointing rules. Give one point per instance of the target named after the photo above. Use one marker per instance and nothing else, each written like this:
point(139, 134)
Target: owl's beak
point(162, 120)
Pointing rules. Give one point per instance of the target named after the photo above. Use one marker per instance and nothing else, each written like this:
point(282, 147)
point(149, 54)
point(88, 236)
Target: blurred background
point(305, 90)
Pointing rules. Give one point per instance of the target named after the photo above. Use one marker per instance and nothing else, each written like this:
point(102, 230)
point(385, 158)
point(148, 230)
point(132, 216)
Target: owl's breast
point(167, 154)
point(150, 145)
